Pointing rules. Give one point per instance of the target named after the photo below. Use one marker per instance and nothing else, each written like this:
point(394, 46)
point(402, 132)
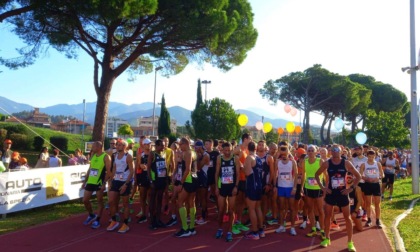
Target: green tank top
point(97, 170)
point(193, 172)
point(310, 170)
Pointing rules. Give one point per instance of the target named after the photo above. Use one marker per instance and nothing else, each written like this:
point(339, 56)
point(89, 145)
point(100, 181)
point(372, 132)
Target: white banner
point(23, 190)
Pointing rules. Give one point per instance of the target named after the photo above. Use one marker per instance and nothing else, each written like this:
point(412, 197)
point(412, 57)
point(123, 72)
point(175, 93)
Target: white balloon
point(338, 124)
point(361, 138)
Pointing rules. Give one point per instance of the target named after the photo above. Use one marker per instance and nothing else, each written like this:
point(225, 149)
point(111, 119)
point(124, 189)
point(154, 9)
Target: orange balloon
point(298, 129)
point(280, 131)
point(287, 108)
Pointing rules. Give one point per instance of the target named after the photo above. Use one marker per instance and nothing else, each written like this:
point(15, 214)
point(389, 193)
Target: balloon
point(287, 108)
point(361, 138)
point(259, 125)
point(267, 127)
point(293, 112)
point(242, 120)
point(338, 124)
point(280, 131)
point(298, 129)
point(290, 127)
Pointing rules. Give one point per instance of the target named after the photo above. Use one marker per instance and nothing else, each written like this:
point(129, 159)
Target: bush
point(38, 143)
point(59, 142)
point(16, 128)
point(20, 141)
point(3, 135)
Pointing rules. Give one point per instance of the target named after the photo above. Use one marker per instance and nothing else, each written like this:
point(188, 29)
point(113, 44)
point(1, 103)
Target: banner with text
point(39, 187)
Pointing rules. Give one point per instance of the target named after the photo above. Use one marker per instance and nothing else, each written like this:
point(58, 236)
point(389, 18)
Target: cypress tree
point(164, 123)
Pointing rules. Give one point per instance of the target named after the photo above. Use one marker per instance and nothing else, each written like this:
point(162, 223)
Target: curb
point(398, 241)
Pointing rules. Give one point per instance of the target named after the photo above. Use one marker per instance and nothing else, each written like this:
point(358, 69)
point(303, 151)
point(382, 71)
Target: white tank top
point(285, 174)
point(121, 168)
point(390, 166)
point(371, 170)
point(53, 162)
point(357, 162)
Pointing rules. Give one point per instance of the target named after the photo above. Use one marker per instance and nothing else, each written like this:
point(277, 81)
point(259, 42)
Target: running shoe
point(90, 219)
point(390, 198)
point(95, 224)
point(140, 214)
point(160, 224)
point(269, 214)
point(273, 222)
point(350, 247)
point(153, 226)
point(171, 222)
point(261, 233)
point(378, 224)
point(303, 225)
point(334, 226)
point(235, 230)
point(241, 227)
point(251, 236)
point(364, 217)
point(112, 226)
point(200, 221)
point(219, 233)
point(123, 229)
point(142, 219)
point(281, 229)
point(318, 227)
point(293, 231)
point(192, 231)
point(368, 223)
point(322, 233)
point(182, 233)
point(325, 243)
point(382, 198)
point(229, 237)
point(247, 223)
point(313, 233)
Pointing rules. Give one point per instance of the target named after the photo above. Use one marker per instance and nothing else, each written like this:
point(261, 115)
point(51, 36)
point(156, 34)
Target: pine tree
point(164, 123)
point(199, 95)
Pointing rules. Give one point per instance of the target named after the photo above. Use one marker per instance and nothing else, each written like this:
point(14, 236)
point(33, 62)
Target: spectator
point(54, 160)
point(6, 153)
point(23, 165)
point(81, 159)
point(72, 160)
point(43, 158)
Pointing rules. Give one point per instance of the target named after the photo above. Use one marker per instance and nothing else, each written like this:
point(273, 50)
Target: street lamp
point(154, 101)
point(205, 82)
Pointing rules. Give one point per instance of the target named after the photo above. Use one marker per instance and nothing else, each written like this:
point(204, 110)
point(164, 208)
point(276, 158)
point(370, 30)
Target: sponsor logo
point(55, 185)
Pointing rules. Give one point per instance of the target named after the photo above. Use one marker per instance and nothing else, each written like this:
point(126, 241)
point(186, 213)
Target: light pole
point(83, 125)
point(205, 82)
point(154, 101)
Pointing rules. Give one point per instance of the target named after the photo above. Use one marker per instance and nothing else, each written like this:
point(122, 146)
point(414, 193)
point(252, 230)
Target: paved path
point(70, 235)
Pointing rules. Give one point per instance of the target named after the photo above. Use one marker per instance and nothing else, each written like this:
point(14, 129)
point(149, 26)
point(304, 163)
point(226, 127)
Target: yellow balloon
point(267, 127)
point(242, 120)
point(290, 127)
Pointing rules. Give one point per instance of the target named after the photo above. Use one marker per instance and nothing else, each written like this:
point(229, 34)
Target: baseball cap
point(130, 140)
point(8, 141)
point(199, 144)
point(300, 152)
point(147, 141)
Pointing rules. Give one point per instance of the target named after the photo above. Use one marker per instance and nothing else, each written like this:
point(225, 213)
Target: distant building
point(73, 126)
point(144, 126)
point(36, 119)
point(112, 126)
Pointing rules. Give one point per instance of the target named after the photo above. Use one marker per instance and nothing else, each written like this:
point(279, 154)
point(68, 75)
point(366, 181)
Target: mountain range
point(129, 112)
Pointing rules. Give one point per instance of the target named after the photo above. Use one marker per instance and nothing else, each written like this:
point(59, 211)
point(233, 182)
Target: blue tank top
point(337, 176)
point(254, 180)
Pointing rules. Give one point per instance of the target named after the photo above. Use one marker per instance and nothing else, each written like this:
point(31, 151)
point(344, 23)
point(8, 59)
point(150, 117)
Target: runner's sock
point(183, 216)
point(193, 211)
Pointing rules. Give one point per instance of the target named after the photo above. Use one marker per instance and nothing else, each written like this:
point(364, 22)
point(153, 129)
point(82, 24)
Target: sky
point(345, 37)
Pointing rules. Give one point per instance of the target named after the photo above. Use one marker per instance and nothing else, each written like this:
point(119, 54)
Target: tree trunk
point(306, 126)
point(321, 130)
point(103, 93)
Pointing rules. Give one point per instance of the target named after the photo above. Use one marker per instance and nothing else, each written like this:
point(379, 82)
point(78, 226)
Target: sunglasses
point(335, 149)
point(311, 150)
point(283, 148)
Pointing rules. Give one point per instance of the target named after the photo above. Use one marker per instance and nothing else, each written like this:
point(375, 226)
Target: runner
point(391, 164)
point(122, 173)
point(313, 192)
point(214, 153)
point(157, 172)
point(176, 181)
point(170, 163)
point(336, 194)
point(227, 176)
point(267, 176)
point(356, 199)
point(97, 175)
point(253, 170)
point(357, 163)
point(286, 174)
point(203, 161)
point(142, 179)
point(372, 173)
point(189, 188)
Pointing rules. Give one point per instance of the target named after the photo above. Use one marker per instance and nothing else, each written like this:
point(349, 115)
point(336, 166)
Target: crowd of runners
point(252, 184)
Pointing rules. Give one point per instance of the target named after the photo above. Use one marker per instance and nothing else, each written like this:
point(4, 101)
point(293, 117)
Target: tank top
point(337, 176)
point(213, 159)
point(253, 180)
point(193, 172)
point(242, 158)
point(205, 167)
point(285, 174)
point(371, 170)
point(97, 170)
point(168, 157)
point(121, 168)
point(53, 161)
point(227, 175)
point(265, 170)
point(158, 168)
point(390, 166)
point(310, 170)
point(357, 162)
point(179, 171)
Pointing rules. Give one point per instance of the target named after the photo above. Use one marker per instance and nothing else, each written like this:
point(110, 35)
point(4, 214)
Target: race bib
point(93, 172)
point(161, 172)
point(179, 174)
point(285, 176)
point(337, 183)
point(312, 182)
point(371, 171)
point(119, 176)
point(227, 175)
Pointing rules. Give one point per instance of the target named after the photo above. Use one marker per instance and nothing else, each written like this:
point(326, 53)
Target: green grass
point(408, 227)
